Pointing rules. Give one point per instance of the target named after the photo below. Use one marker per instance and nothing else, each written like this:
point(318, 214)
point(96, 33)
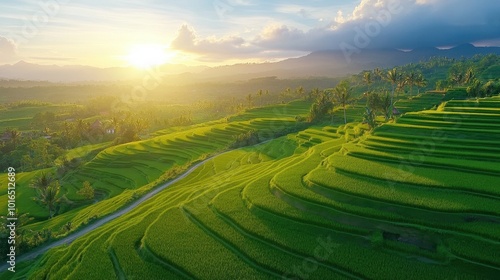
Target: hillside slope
point(416, 199)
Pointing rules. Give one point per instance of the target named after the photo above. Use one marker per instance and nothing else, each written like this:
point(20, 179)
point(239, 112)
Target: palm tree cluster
point(325, 101)
point(321, 106)
point(47, 191)
point(460, 77)
point(399, 80)
point(379, 103)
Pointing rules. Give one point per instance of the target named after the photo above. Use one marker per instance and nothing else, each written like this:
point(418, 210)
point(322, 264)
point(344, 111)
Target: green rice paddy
point(416, 199)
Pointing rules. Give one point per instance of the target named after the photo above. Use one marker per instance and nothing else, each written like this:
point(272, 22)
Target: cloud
point(403, 24)
point(289, 38)
point(7, 50)
point(228, 46)
point(372, 24)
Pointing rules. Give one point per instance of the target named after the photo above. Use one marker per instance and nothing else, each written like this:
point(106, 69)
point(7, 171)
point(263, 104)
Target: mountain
point(334, 63)
point(78, 73)
point(54, 73)
point(327, 63)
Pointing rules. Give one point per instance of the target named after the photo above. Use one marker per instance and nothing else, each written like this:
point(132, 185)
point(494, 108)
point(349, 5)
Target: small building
point(110, 130)
point(395, 111)
point(97, 125)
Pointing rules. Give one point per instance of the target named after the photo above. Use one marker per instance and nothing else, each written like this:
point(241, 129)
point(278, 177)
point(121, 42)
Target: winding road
point(70, 238)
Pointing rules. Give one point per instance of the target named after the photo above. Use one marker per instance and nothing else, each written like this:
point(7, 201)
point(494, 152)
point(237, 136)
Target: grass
point(22, 117)
point(420, 102)
point(122, 173)
point(416, 199)
point(24, 193)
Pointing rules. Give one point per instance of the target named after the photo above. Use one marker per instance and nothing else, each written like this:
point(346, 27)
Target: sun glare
point(146, 56)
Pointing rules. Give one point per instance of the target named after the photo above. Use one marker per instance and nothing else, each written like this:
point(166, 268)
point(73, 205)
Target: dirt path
point(70, 238)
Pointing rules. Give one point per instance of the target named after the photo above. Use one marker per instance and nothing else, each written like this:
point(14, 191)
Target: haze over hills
point(328, 63)
point(23, 70)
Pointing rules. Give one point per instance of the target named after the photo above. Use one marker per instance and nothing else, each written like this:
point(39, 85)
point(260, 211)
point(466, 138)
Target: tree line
point(380, 89)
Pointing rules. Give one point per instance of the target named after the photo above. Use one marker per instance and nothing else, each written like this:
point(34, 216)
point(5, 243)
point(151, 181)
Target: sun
point(146, 56)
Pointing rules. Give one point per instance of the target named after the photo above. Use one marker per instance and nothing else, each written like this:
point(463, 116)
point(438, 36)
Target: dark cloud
point(402, 24)
point(438, 23)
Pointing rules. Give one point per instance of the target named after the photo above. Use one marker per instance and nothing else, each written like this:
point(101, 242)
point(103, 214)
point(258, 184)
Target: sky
point(215, 32)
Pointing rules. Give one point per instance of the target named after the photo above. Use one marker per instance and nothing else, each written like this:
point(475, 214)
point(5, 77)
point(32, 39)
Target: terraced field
point(123, 173)
point(428, 184)
point(22, 117)
point(418, 103)
point(416, 199)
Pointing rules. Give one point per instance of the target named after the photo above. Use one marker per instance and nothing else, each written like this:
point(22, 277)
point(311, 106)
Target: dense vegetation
point(370, 178)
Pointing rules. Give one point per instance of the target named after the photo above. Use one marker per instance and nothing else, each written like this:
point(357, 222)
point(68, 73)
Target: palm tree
point(300, 92)
point(259, 94)
point(284, 94)
point(48, 196)
point(393, 76)
point(115, 122)
point(141, 124)
point(402, 82)
point(474, 90)
point(386, 106)
point(411, 80)
point(369, 117)
point(314, 93)
point(80, 129)
point(456, 78)
point(320, 107)
point(420, 81)
point(43, 181)
point(469, 76)
point(367, 78)
point(377, 74)
point(342, 95)
point(250, 100)
point(14, 135)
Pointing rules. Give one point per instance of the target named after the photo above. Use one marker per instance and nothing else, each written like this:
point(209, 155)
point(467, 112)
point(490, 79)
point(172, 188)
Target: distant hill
point(328, 63)
point(333, 63)
point(78, 73)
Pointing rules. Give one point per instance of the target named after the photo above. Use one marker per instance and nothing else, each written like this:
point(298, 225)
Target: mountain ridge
point(324, 63)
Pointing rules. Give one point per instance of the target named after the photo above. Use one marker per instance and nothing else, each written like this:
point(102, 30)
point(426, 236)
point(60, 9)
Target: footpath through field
point(70, 238)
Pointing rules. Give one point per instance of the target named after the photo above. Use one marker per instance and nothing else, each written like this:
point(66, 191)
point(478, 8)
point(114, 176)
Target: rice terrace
point(256, 154)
